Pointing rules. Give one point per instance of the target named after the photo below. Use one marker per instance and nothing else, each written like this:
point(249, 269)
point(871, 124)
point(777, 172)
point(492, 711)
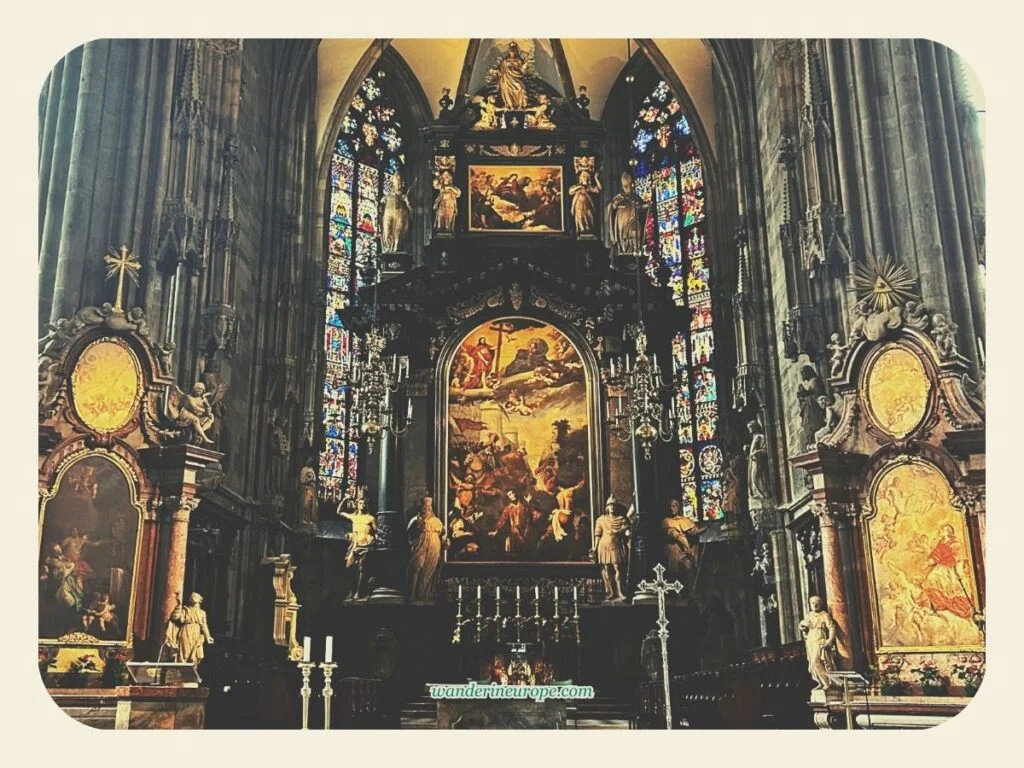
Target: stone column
point(836, 597)
point(179, 511)
point(787, 589)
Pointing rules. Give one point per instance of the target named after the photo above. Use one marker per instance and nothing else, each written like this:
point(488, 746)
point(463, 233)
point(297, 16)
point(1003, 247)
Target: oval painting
point(106, 385)
point(897, 391)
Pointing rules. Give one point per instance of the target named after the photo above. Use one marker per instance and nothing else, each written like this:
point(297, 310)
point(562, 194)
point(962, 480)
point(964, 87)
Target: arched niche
point(90, 541)
point(526, 384)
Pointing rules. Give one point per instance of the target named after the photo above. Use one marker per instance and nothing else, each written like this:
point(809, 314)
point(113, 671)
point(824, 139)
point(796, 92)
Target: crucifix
point(660, 587)
point(119, 263)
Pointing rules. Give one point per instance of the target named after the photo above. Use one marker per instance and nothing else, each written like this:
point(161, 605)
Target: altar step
point(596, 713)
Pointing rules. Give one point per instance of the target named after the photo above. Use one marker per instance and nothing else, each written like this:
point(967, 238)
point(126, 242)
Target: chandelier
point(376, 380)
point(637, 409)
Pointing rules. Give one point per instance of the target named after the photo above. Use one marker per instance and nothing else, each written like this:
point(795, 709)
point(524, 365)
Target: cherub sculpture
point(195, 409)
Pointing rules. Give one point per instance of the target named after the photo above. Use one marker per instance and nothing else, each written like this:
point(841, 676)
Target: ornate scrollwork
point(464, 310)
point(564, 309)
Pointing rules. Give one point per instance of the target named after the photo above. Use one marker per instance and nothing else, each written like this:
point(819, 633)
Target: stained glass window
point(368, 154)
point(670, 178)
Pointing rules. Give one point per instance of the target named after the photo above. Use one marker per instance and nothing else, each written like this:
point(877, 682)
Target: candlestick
point(305, 667)
point(328, 669)
point(329, 650)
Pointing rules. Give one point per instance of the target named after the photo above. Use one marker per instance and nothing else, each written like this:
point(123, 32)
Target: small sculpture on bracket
point(833, 413)
point(308, 505)
point(623, 214)
point(445, 102)
point(584, 194)
point(446, 203)
point(808, 392)
point(758, 486)
point(838, 350)
point(680, 549)
point(583, 102)
point(194, 410)
point(395, 218)
point(187, 633)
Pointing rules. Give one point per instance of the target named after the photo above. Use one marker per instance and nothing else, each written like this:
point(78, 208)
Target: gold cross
point(120, 263)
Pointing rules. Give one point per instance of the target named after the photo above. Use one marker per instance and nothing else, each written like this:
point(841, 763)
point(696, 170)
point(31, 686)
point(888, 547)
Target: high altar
point(500, 364)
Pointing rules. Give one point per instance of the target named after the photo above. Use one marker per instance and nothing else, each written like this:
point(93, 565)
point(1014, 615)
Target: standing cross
point(119, 263)
point(660, 587)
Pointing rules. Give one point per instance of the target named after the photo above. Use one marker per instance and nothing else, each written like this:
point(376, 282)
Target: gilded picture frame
point(47, 498)
point(594, 451)
point(525, 199)
point(916, 535)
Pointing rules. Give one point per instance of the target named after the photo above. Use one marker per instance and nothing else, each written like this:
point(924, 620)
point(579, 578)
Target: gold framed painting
point(922, 584)
point(90, 530)
point(518, 446)
point(516, 199)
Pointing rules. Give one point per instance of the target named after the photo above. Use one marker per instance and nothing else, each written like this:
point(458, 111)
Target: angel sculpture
point(195, 409)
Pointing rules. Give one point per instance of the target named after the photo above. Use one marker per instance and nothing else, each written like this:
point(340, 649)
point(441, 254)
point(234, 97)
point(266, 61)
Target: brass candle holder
point(328, 667)
point(305, 667)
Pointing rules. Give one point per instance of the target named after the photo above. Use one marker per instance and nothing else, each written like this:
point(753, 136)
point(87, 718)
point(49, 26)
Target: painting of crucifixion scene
point(515, 198)
point(87, 553)
point(518, 446)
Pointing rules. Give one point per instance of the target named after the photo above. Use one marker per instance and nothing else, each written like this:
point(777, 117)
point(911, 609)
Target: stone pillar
point(836, 597)
point(787, 586)
point(179, 510)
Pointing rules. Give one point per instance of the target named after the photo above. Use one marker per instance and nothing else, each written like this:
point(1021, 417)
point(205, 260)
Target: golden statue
point(360, 541)
point(821, 636)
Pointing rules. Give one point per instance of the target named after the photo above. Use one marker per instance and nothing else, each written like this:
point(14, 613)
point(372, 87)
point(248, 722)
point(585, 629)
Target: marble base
point(134, 707)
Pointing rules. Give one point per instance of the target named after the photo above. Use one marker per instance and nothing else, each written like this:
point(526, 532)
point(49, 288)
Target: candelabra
point(537, 621)
point(518, 620)
point(572, 622)
point(642, 414)
point(460, 622)
point(328, 668)
point(376, 382)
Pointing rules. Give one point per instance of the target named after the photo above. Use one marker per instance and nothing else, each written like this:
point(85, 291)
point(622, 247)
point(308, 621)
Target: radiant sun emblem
point(884, 283)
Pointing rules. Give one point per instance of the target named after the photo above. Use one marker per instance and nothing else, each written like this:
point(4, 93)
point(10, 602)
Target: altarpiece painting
point(924, 585)
point(89, 531)
point(506, 198)
point(518, 446)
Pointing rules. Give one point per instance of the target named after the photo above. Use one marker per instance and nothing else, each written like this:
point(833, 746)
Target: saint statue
point(758, 486)
point(809, 392)
point(623, 219)
point(446, 204)
point(610, 548)
point(395, 218)
point(187, 632)
point(680, 532)
point(510, 77)
point(360, 541)
point(308, 505)
point(425, 558)
point(584, 194)
point(821, 636)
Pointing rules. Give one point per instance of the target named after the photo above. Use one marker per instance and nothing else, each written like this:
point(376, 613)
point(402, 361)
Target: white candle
point(329, 650)
point(536, 593)
point(460, 591)
point(408, 412)
point(517, 591)
point(556, 594)
point(497, 593)
point(478, 592)
point(305, 648)
point(575, 594)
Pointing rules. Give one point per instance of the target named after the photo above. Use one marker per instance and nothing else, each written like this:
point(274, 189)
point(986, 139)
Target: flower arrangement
point(78, 673)
point(115, 668)
point(970, 671)
point(45, 660)
point(888, 674)
point(930, 678)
